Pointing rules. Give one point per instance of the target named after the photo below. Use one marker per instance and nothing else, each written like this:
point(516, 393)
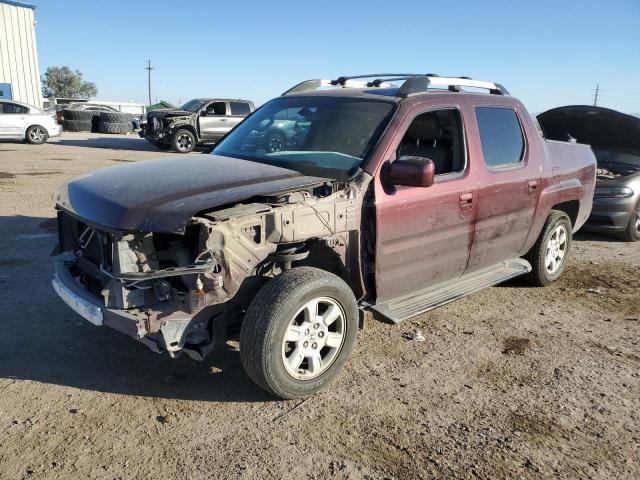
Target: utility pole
point(149, 68)
point(595, 98)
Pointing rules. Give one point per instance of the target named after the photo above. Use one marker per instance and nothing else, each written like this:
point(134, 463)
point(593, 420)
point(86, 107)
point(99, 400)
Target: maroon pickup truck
point(395, 193)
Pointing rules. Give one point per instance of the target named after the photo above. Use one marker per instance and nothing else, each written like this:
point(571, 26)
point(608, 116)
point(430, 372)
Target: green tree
point(65, 83)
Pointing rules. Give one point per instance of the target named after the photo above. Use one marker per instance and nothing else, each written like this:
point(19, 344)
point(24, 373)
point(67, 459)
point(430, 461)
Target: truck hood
point(162, 195)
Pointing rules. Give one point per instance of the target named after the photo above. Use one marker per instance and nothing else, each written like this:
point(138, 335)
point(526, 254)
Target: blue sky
point(546, 52)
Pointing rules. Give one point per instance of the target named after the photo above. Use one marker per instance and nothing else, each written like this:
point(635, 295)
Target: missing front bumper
point(91, 309)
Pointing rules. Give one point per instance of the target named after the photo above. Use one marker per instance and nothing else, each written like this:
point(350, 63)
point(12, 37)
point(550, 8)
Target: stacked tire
point(79, 120)
point(115, 122)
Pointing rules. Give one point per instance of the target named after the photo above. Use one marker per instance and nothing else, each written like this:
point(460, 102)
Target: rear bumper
point(92, 309)
point(55, 131)
point(611, 214)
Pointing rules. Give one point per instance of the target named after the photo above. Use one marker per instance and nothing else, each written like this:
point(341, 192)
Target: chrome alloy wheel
point(556, 250)
point(275, 144)
point(37, 135)
point(313, 338)
point(184, 142)
point(637, 222)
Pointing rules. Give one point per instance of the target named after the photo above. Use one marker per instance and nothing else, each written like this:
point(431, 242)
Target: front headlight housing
point(613, 192)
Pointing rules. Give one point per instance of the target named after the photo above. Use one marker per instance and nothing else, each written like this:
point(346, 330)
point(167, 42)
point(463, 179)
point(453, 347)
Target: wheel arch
point(186, 126)
point(571, 208)
point(35, 125)
point(332, 259)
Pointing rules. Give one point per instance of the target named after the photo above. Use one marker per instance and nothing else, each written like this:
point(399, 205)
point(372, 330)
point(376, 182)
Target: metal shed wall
point(19, 54)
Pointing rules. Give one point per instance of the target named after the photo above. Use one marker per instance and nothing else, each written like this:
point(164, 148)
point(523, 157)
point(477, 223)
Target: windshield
point(193, 105)
point(321, 136)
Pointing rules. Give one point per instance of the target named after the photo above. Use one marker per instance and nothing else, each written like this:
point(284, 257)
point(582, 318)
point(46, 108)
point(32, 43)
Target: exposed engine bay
point(160, 124)
point(184, 290)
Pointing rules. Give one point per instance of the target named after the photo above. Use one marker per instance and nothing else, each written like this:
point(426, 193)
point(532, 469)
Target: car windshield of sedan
point(193, 105)
point(319, 136)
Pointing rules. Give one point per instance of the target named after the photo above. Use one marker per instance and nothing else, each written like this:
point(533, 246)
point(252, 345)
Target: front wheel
point(548, 257)
point(36, 135)
point(298, 332)
point(183, 141)
point(632, 232)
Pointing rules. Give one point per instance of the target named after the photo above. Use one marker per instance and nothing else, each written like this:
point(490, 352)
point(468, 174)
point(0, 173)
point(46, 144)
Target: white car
point(20, 121)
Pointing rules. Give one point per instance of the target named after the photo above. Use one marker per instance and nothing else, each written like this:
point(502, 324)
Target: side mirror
point(412, 172)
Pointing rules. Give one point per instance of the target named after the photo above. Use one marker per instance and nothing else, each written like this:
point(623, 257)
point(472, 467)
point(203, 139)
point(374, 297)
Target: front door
point(508, 187)
point(424, 235)
point(213, 120)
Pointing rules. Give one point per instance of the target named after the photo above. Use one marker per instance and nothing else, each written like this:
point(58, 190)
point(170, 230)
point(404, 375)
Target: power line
point(618, 92)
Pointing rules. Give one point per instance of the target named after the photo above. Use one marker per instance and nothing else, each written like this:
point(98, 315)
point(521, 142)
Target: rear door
point(508, 185)
point(237, 111)
point(14, 119)
point(213, 120)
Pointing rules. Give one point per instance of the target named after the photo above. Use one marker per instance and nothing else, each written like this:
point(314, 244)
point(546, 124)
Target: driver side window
point(436, 135)
point(217, 108)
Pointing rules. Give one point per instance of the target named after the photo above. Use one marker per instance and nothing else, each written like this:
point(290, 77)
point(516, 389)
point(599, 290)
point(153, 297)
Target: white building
point(19, 69)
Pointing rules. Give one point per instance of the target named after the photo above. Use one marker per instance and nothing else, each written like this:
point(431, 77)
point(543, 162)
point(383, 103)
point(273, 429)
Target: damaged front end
point(162, 124)
point(179, 292)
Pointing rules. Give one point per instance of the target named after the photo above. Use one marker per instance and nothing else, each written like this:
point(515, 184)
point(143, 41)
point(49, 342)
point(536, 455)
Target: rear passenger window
point(13, 108)
point(500, 135)
point(240, 108)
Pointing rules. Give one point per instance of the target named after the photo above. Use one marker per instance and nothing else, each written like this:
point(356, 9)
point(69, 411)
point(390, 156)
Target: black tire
point(108, 127)
point(183, 141)
point(81, 115)
point(116, 117)
point(276, 142)
point(77, 125)
point(632, 233)
point(540, 276)
point(270, 315)
point(95, 122)
point(36, 135)
point(161, 146)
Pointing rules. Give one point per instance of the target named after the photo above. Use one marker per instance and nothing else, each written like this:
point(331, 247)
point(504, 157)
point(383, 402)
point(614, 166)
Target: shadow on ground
point(117, 142)
point(587, 236)
point(128, 142)
point(44, 341)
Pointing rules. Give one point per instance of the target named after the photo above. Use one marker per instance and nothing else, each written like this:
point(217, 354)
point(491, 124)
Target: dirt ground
point(513, 382)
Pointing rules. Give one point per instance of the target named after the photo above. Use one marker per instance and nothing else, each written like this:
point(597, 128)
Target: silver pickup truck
point(199, 121)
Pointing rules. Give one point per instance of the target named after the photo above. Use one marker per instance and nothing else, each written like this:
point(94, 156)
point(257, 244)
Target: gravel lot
point(513, 382)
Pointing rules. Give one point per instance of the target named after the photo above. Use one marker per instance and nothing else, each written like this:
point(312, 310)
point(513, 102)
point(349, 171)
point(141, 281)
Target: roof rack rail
point(413, 83)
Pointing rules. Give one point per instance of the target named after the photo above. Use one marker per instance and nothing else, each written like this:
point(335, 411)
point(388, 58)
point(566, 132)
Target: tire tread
point(260, 317)
point(536, 276)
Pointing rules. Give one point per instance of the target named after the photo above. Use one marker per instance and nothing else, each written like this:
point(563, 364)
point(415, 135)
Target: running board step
point(407, 306)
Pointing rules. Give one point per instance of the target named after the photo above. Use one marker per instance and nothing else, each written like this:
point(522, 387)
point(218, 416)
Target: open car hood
point(162, 195)
point(602, 128)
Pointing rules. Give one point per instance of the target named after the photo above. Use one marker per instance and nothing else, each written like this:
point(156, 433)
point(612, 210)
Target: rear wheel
point(549, 255)
point(183, 141)
point(36, 135)
point(298, 332)
point(275, 142)
point(632, 233)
